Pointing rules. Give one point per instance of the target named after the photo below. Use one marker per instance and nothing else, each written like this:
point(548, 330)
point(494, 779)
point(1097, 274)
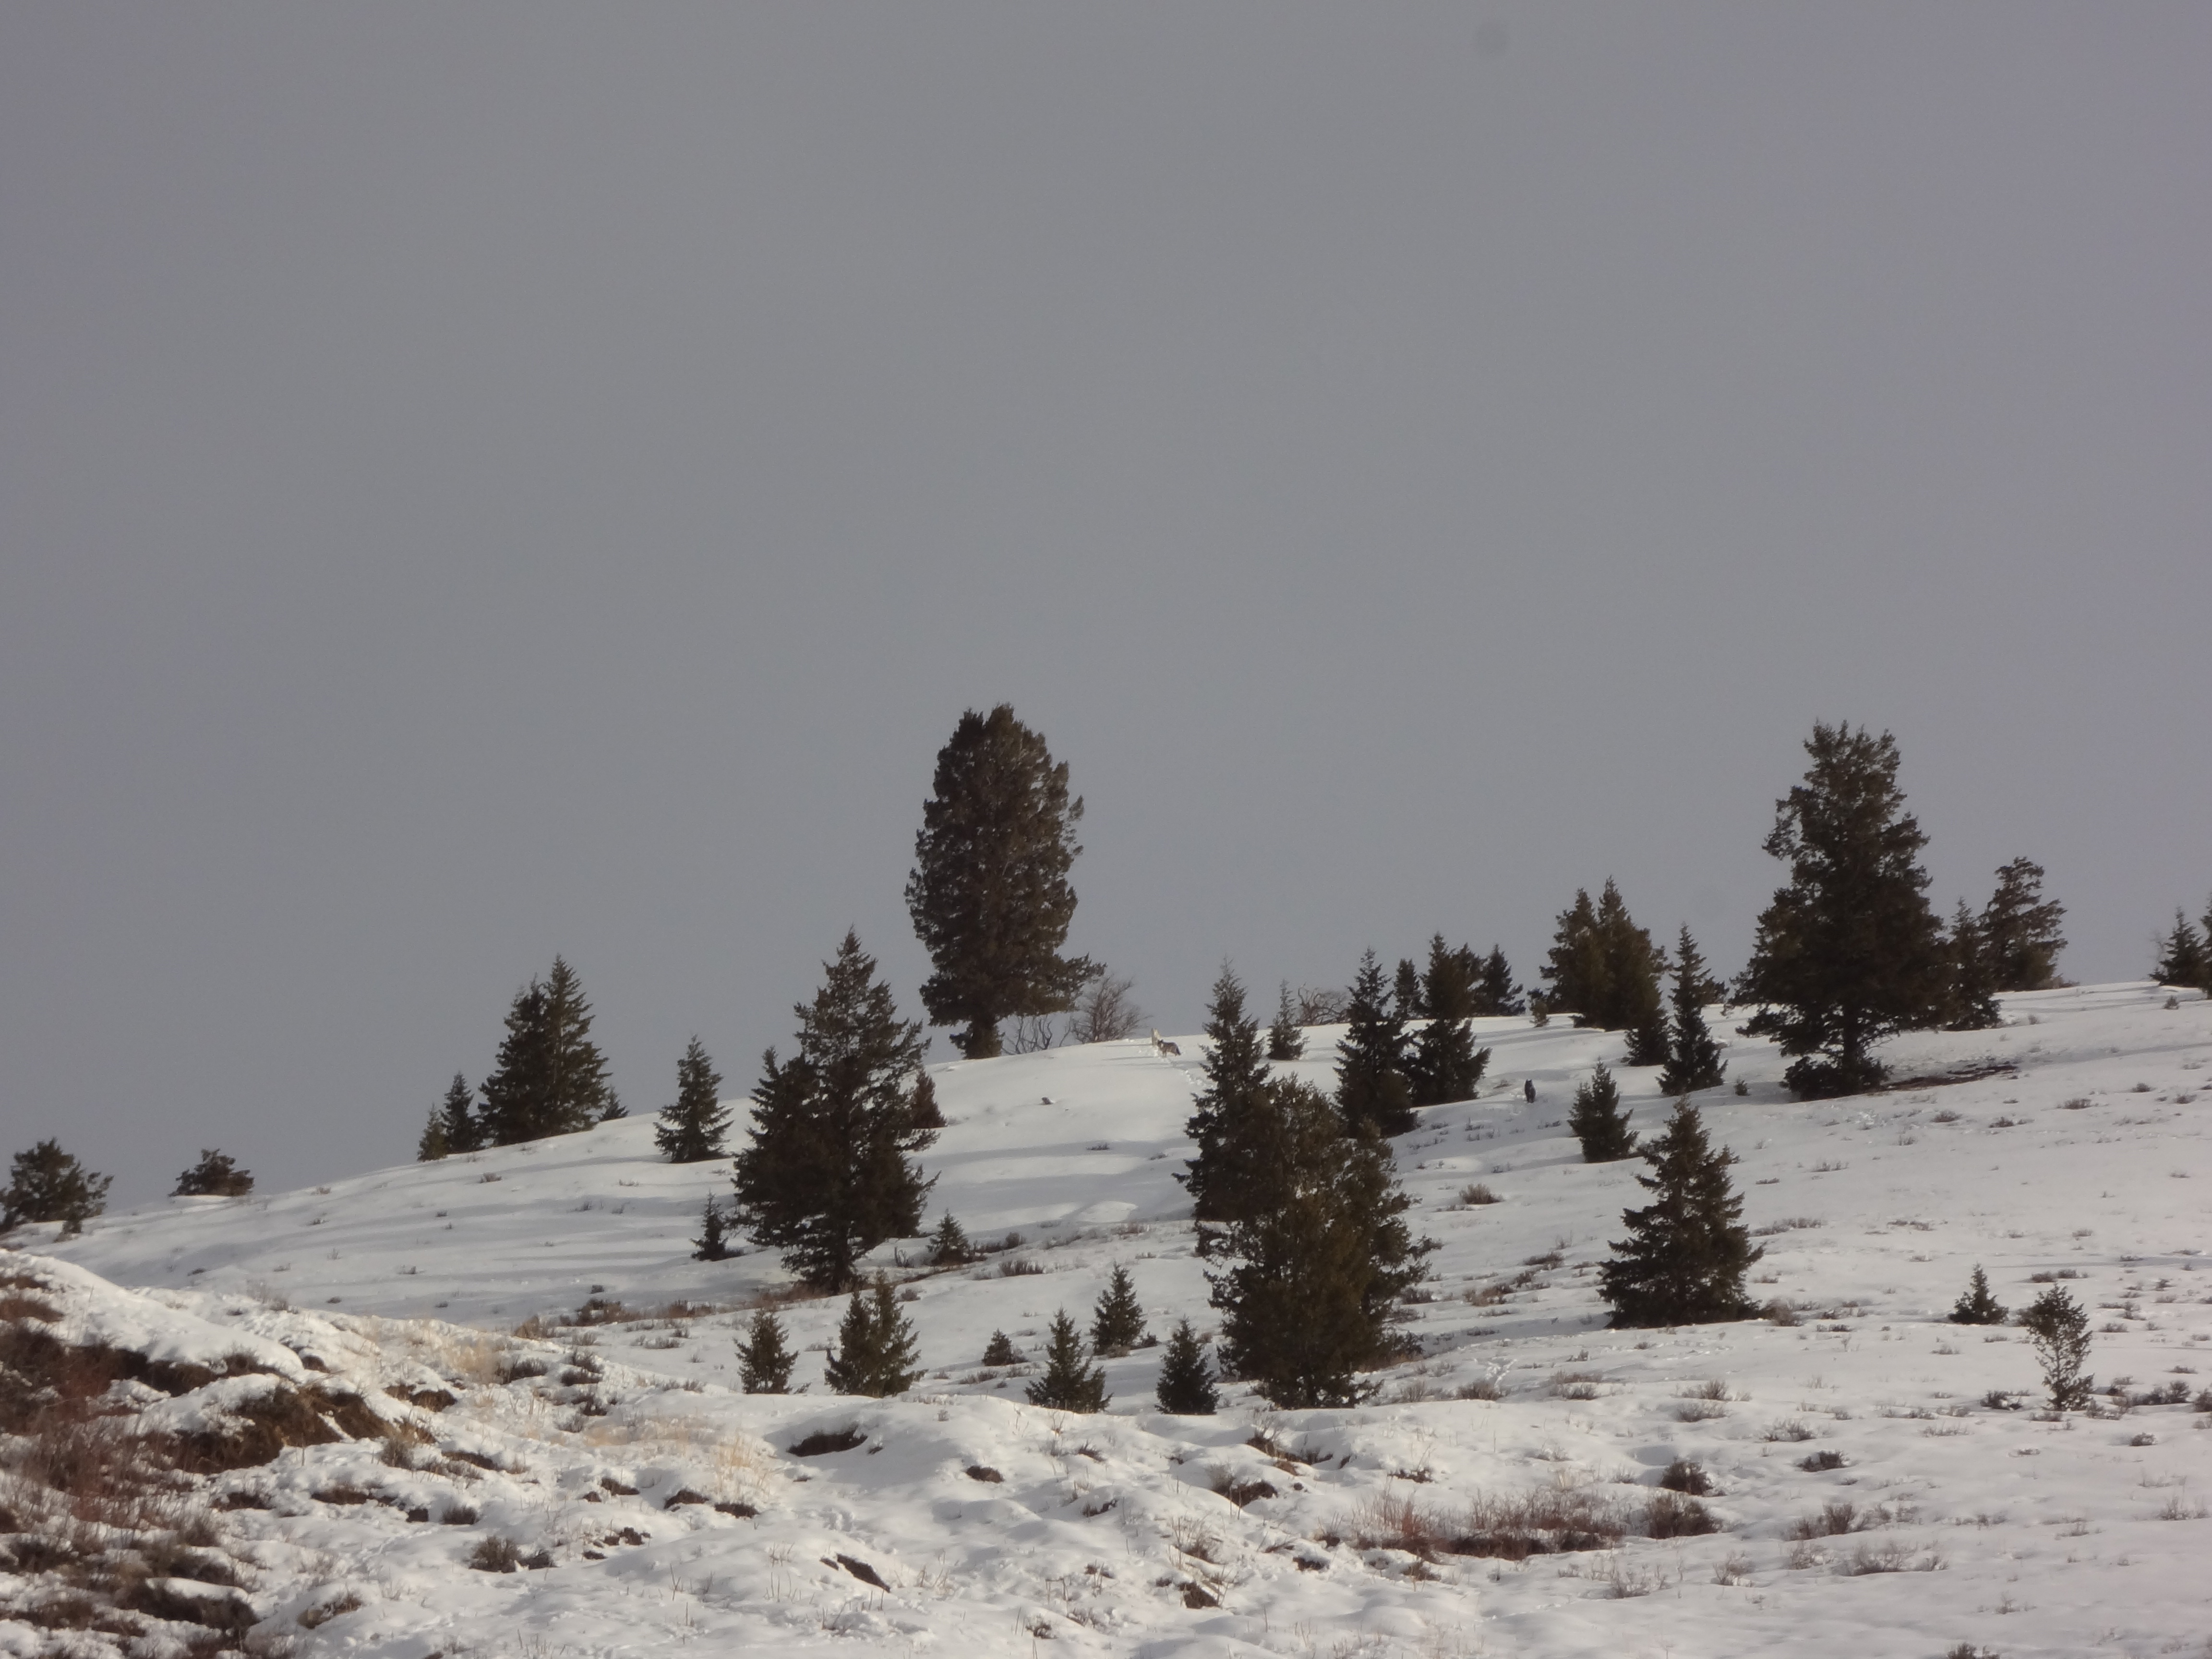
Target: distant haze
point(478, 483)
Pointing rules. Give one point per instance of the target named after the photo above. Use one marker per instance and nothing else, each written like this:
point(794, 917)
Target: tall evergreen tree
point(1067, 1383)
point(989, 894)
point(1405, 992)
point(1605, 969)
point(1285, 1039)
point(1849, 952)
point(1117, 1323)
point(1688, 1252)
point(1311, 1291)
point(1693, 1057)
point(2019, 928)
point(1186, 1385)
point(46, 1183)
point(764, 1362)
point(827, 1176)
point(923, 1105)
point(551, 1078)
point(1444, 1064)
point(2182, 958)
point(1575, 971)
point(1596, 1121)
point(1223, 1125)
point(712, 1244)
point(1970, 1003)
point(463, 1133)
point(692, 1129)
point(1371, 1085)
point(1497, 994)
point(431, 1147)
point(875, 1354)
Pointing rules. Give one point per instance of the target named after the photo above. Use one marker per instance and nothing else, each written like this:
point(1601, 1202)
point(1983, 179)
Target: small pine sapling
point(1117, 1324)
point(1596, 1120)
point(1693, 1057)
point(1976, 1305)
point(875, 1353)
point(1068, 1384)
point(217, 1175)
point(464, 1130)
point(1684, 1260)
point(948, 1245)
point(764, 1362)
point(712, 1244)
point(922, 1109)
point(1186, 1387)
point(432, 1146)
point(2059, 1327)
point(1286, 1039)
point(1001, 1351)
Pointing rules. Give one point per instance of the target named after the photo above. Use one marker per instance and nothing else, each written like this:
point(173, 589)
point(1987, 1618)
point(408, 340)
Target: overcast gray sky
point(482, 482)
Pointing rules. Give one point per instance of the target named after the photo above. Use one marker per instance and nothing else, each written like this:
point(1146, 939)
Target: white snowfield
point(962, 1521)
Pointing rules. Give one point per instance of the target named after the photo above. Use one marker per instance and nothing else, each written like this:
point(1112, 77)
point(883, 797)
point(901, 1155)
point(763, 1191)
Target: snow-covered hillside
point(995, 1526)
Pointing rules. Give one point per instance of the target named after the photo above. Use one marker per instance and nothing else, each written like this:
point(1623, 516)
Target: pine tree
point(1405, 992)
point(1117, 1323)
point(1970, 1001)
point(1311, 1293)
point(2059, 1327)
point(712, 1244)
point(48, 1184)
point(1186, 1386)
point(431, 1147)
point(1067, 1384)
point(1222, 1127)
point(1371, 1086)
point(764, 1362)
point(1849, 952)
point(875, 1351)
point(551, 1078)
point(2019, 927)
point(1605, 969)
point(215, 1176)
point(1575, 969)
point(1688, 1252)
point(463, 1133)
point(691, 1130)
point(1693, 1057)
point(1001, 1349)
point(948, 1245)
point(1596, 1120)
point(989, 894)
point(1496, 993)
point(1976, 1305)
point(2182, 958)
point(1444, 1064)
point(1285, 1039)
point(827, 1178)
point(921, 1106)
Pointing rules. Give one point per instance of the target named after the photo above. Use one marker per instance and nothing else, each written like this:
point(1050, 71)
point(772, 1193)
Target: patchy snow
point(1968, 1522)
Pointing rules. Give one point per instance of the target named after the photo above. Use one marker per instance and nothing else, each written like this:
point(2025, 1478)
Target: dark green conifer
point(1976, 1304)
point(1371, 1086)
point(875, 1353)
point(1186, 1386)
point(1067, 1384)
point(1688, 1252)
point(1444, 1064)
point(215, 1176)
point(1496, 992)
point(2019, 929)
point(550, 1078)
point(48, 1184)
point(948, 1245)
point(1693, 1057)
point(989, 894)
point(463, 1133)
point(431, 1147)
point(1117, 1323)
point(1970, 1004)
point(922, 1109)
point(827, 1176)
point(1286, 1041)
point(1634, 967)
point(1849, 952)
point(1001, 1351)
point(1317, 1272)
point(1596, 1120)
point(2183, 957)
point(691, 1130)
point(2059, 1327)
point(1405, 992)
point(712, 1244)
point(764, 1362)
point(1575, 969)
point(1220, 1172)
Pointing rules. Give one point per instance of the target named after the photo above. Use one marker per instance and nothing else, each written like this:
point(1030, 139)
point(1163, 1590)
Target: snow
point(2081, 1535)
